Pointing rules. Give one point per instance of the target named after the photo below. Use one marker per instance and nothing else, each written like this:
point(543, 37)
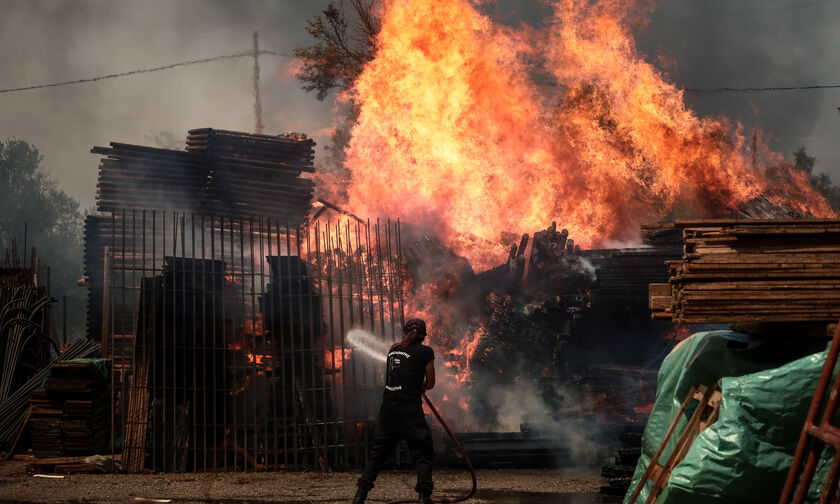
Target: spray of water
point(368, 344)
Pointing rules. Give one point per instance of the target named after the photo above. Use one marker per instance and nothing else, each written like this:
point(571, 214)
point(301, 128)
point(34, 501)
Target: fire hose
point(444, 500)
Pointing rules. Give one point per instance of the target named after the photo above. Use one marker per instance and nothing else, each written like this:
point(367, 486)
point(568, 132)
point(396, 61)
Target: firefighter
point(410, 369)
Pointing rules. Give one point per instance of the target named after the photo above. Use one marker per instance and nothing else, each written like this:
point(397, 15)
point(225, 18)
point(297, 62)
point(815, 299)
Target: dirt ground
point(505, 485)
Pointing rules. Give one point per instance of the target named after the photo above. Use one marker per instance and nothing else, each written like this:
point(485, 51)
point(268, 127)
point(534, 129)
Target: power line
point(251, 54)
point(248, 54)
point(756, 89)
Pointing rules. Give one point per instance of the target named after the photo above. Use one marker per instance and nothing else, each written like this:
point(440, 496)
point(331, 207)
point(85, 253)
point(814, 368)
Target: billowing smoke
point(53, 42)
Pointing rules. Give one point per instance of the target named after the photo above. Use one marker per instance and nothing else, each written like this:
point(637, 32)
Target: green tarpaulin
point(744, 457)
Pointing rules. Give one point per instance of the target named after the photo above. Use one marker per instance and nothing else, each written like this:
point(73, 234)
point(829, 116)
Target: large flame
point(453, 132)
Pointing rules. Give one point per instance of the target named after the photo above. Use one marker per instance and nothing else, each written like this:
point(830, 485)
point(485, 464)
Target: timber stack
point(255, 175)
point(70, 415)
point(220, 173)
point(763, 270)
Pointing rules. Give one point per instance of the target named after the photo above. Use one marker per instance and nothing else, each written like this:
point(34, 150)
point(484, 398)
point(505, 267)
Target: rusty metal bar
point(254, 350)
point(268, 314)
point(399, 268)
point(108, 320)
point(380, 279)
point(230, 383)
point(292, 346)
point(282, 338)
point(813, 447)
point(265, 347)
point(214, 341)
point(390, 278)
point(153, 390)
point(204, 395)
point(174, 343)
point(234, 355)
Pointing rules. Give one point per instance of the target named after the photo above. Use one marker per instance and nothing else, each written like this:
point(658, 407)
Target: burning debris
point(541, 328)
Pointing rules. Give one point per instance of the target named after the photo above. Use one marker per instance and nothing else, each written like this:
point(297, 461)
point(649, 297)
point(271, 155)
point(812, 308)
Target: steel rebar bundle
point(22, 317)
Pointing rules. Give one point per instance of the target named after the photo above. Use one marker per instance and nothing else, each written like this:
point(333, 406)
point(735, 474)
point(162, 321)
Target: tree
point(802, 161)
point(341, 51)
point(334, 62)
point(52, 219)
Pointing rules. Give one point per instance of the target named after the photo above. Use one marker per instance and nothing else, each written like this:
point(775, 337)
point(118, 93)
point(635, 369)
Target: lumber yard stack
point(255, 175)
point(220, 173)
point(70, 415)
point(763, 270)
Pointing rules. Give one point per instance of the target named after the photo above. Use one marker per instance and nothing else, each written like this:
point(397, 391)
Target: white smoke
point(522, 403)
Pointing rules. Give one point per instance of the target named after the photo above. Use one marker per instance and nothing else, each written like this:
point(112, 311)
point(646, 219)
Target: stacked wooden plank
point(135, 176)
point(220, 173)
point(765, 270)
point(14, 410)
point(45, 425)
point(255, 175)
point(70, 415)
point(623, 275)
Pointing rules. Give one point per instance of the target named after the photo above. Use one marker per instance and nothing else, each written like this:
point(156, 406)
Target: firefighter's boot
point(425, 498)
point(361, 495)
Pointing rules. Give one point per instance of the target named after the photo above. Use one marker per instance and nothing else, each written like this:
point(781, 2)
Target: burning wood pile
point(539, 333)
point(767, 270)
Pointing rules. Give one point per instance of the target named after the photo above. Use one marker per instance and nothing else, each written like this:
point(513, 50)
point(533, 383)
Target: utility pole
point(258, 127)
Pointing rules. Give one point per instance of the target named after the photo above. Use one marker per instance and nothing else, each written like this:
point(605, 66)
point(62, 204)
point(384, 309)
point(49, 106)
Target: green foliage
point(343, 45)
point(821, 182)
point(338, 56)
point(52, 218)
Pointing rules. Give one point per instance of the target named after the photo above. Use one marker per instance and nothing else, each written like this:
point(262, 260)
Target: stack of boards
point(765, 270)
point(70, 414)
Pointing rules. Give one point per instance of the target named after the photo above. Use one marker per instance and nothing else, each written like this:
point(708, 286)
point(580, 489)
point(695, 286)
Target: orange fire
point(258, 359)
point(678, 333)
point(253, 326)
point(458, 359)
point(333, 358)
point(454, 134)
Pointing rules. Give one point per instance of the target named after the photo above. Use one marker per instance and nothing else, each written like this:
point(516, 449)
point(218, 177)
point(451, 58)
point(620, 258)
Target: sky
point(702, 44)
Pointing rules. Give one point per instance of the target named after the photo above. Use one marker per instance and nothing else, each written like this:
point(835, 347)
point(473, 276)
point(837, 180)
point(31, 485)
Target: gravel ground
point(291, 487)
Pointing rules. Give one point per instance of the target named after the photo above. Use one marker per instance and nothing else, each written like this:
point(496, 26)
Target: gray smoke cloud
point(45, 42)
point(758, 43)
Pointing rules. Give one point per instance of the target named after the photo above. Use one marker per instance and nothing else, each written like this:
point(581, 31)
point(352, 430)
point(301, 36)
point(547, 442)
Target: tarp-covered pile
point(744, 457)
